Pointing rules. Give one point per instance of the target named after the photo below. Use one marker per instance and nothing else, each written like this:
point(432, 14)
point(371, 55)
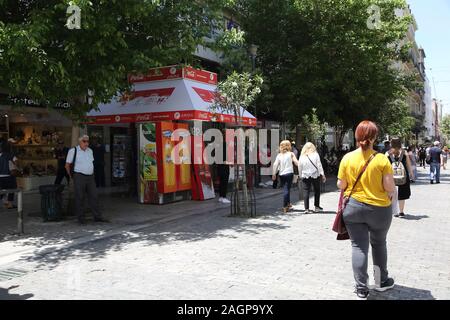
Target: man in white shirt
point(80, 167)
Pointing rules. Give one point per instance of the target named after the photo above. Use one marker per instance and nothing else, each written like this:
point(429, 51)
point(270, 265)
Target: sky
point(433, 20)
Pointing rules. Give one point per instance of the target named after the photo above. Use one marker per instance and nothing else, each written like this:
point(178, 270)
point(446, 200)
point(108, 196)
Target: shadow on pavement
point(402, 293)
point(5, 295)
point(415, 217)
point(186, 229)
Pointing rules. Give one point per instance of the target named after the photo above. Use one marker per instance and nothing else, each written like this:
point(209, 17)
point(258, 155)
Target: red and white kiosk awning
point(169, 93)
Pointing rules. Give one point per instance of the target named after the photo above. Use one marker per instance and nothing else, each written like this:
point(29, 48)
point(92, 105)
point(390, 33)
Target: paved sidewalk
point(275, 256)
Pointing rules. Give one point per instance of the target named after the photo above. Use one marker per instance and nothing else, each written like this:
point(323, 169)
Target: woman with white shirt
point(311, 171)
point(284, 163)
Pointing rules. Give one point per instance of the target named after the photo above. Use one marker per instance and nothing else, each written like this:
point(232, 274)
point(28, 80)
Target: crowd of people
point(375, 181)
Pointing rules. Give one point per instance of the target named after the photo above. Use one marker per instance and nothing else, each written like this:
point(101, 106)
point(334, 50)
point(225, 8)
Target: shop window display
point(34, 146)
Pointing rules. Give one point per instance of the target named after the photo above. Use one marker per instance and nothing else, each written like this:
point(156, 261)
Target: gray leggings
point(366, 223)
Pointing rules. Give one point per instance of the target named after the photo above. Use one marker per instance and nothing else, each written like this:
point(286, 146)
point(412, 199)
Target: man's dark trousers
point(85, 184)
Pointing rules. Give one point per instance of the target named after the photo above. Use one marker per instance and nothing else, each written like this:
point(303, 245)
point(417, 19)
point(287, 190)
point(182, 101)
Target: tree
point(396, 120)
point(321, 54)
point(445, 127)
point(234, 95)
point(42, 59)
point(315, 129)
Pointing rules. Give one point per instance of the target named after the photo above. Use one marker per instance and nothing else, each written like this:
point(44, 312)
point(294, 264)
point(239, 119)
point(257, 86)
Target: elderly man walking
point(80, 167)
point(435, 155)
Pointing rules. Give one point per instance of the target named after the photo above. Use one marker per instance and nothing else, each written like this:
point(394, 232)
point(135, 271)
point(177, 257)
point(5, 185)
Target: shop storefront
point(33, 133)
point(162, 101)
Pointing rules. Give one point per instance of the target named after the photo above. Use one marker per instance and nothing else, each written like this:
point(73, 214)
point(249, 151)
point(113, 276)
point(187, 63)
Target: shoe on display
point(386, 285)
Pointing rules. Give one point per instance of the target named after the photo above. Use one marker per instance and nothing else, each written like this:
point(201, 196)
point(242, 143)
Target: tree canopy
point(324, 55)
point(42, 59)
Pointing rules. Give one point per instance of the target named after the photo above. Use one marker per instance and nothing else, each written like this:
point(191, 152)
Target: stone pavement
point(212, 256)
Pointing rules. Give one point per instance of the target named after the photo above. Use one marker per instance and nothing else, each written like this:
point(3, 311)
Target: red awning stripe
point(161, 116)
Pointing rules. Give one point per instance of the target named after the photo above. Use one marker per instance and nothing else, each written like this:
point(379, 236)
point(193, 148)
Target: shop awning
point(165, 94)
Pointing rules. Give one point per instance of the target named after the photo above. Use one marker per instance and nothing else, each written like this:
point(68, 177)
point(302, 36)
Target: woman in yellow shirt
point(368, 214)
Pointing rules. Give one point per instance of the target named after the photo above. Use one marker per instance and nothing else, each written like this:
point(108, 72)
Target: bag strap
point(312, 163)
point(362, 172)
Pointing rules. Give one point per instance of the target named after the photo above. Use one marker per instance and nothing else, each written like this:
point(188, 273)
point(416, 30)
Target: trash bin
point(51, 202)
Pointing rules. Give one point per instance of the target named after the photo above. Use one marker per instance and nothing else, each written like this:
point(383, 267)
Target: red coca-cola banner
point(175, 72)
point(160, 116)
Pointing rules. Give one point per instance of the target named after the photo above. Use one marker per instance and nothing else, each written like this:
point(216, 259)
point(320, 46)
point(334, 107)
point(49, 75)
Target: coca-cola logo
point(117, 118)
point(143, 117)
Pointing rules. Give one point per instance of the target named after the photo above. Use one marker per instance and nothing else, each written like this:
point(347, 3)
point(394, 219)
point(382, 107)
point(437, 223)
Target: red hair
point(366, 131)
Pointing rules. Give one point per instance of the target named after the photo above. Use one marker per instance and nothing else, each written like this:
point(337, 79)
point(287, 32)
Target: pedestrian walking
point(413, 159)
point(368, 178)
point(435, 156)
point(60, 154)
point(284, 165)
point(7, 180)
point(311, 172)
point(422, 156)
point(80, 167)
point(296, 153)
point(445, 152)
point(403, 173)
point(98, 150)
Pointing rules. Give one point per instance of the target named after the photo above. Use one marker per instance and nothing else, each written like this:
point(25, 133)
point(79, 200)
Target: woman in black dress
point(396, 153)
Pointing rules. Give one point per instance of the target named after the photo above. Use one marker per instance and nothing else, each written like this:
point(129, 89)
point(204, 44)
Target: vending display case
point(164, 172)
point(121, 151)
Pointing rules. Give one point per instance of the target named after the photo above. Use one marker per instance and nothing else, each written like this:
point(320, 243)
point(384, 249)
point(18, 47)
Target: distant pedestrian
point(80, 166)
point(311, 172)
point(284, 165)
point(368, 214)
point(60, 154)
point(445, 153)
point(413, 160)
point(387, 146)
point(403, 173)
point(98, 150)
point(422, 156)
point(435, 156)
point(296, 153)
point(7, 179)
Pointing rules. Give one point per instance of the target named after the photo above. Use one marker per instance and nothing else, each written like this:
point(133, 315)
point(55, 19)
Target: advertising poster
point(148, 170)
point(183, 157)
point(169, 182)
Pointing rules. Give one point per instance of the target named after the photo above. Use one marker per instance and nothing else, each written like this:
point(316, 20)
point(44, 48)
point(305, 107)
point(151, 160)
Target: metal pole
point(20, 228)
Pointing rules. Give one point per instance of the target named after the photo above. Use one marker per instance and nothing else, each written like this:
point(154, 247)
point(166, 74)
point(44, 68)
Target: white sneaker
point(221, 199)
point(225, 200)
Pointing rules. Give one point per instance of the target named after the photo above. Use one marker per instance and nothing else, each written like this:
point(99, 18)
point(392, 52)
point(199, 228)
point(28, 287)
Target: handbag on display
point(339, 224)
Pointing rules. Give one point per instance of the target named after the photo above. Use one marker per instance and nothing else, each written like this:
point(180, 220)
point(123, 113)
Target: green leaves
point(238, 91)
point(321, 54)
point(43, 59)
